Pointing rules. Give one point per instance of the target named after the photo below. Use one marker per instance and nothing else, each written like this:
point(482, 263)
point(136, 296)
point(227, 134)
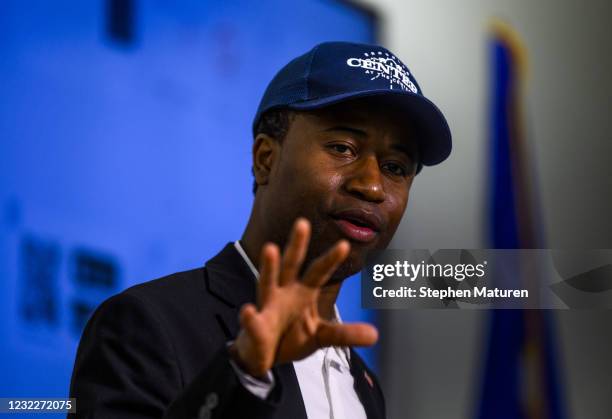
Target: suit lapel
point(293, 402)
point(365, 387)
point(230, 279)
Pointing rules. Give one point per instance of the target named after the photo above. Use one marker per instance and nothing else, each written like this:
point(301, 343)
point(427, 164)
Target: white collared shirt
point(325, 379)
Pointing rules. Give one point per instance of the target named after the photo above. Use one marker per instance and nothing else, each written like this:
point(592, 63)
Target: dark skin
point(352, 163)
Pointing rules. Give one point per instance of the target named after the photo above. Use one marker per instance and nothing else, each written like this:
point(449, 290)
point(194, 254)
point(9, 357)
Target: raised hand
point(286, 326)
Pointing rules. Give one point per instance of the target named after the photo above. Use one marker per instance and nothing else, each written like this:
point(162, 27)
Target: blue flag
point(520, 375)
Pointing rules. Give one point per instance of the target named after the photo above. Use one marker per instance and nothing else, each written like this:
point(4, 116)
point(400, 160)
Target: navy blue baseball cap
point(334, 72)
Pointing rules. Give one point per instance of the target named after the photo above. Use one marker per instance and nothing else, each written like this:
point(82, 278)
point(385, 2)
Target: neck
point(253, 238)
point(252, 241)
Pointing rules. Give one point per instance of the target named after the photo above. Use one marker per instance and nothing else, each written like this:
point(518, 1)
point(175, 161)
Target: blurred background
point(125, 156)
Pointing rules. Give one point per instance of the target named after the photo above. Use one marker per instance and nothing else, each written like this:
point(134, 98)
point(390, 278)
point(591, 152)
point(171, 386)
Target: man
point(340, 134)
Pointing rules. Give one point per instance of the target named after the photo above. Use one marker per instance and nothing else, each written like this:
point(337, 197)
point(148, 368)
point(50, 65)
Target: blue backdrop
point(125, 152)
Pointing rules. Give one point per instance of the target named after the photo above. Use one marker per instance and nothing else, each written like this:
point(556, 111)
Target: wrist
point(243, 363)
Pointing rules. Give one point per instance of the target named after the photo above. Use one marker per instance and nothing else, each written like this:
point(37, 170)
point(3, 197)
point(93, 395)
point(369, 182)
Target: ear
point(265, 152)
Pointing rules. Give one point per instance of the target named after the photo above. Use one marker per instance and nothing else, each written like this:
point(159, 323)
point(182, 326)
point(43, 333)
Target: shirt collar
point(240, 250)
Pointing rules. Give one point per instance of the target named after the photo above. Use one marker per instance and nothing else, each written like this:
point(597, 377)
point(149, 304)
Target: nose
point(366, 180)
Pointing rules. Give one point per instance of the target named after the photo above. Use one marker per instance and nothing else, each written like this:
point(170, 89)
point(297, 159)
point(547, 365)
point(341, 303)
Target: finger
point(248, 316)
point(295, 251)
point(268, 275)
point(348, 334)
point(322, 268)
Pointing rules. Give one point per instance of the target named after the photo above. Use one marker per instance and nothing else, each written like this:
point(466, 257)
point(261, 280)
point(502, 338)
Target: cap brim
point(434, 136)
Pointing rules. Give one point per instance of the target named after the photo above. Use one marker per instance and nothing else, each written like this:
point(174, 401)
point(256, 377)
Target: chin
point(352, 265)
point(324, 238)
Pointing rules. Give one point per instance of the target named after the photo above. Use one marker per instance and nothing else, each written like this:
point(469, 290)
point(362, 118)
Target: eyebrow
point(403, 148)
point(397, 146)
point(346, 128)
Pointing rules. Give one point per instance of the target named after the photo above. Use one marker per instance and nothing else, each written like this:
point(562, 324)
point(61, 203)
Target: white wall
point(432, 360)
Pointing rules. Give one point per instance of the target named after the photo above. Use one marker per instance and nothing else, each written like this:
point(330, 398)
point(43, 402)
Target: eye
point(342, 148)
point(395, 169)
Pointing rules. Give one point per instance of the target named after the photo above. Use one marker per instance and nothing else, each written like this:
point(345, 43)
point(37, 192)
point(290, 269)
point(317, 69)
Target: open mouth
point(358, 225)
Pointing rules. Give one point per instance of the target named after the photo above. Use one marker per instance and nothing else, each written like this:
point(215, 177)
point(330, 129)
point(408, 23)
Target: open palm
point(286, 326)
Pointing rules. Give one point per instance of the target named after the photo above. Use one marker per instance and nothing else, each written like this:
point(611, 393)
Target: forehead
point(371, 115)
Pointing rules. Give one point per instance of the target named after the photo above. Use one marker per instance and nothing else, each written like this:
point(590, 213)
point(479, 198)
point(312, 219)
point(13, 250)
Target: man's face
point(346, 168)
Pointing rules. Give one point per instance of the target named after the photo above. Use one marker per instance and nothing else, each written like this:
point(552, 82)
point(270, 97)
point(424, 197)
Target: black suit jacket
point(159, 350)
